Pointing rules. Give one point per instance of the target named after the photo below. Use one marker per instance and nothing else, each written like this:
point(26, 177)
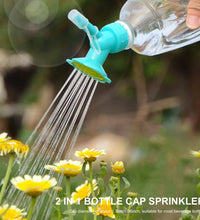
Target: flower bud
point(103, 163)
point(132, 194)
point(57, 188)
point(118, 168)
point(114, 178)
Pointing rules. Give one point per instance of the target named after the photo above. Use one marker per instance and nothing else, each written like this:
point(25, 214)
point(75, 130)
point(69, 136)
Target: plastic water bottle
point(158, 26)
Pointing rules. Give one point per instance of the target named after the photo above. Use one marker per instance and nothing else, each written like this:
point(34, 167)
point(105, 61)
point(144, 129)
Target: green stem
point(91, 178)
point(7, 176)
point(68, 193)
point(103, 217)
point(59, 214)
point(30, 212)
point(198, 217)
point(58, 210)
point(118, 195)
point(93, 194)
point(85, 215)
point(128, 212)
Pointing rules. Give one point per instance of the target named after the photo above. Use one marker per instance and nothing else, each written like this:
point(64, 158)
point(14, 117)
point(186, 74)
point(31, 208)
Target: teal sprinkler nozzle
point(112, 38)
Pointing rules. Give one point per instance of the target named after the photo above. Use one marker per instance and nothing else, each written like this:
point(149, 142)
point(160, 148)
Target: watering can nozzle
point(112, 38)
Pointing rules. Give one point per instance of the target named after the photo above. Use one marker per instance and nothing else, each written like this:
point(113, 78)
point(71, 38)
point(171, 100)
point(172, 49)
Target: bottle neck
point(129, 31)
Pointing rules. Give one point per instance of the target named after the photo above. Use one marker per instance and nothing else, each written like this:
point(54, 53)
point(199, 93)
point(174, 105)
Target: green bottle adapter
point(112, 38)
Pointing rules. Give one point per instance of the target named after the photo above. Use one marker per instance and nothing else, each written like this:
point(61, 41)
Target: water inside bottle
point(158, 26)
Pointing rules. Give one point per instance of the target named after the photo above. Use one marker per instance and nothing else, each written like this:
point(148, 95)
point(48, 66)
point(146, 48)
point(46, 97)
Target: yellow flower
point(11, 213)
point(195, 153)
point(118, 167)
point(89, 154)
point(5, 148)
point(66, 167)
point(104, 208)
point(4, 137)
point(33, 186)
point(13, 146)
point(83, 191)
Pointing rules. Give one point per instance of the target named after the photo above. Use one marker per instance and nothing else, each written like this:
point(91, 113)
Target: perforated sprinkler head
point(90, 67)
point(112, 38)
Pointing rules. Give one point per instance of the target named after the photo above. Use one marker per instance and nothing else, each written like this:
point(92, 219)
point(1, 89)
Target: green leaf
point(120, 215)
point(101, 187)
point(138, 211)
point(126, 186)
point(54, 215)
point(113, 187)
point(103, 172)
point(186, 215)
point(96, 176)
point(84, 171)
point(198, 188)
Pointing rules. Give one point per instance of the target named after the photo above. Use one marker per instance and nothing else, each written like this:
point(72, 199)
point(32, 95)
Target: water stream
point(53, 139)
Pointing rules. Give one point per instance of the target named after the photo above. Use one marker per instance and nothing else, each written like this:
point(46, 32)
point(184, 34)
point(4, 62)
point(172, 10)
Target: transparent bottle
point(158, 26)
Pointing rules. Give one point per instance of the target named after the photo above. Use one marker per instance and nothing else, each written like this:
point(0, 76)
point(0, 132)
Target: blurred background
point(149, 116)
